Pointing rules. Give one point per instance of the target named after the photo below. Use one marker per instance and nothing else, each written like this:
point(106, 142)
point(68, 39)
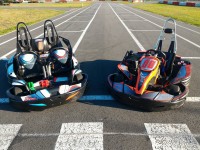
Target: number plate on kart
point(148, 63)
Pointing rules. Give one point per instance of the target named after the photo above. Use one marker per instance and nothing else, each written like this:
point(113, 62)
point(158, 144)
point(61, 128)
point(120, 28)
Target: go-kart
point(43, 72)
point(153, 80)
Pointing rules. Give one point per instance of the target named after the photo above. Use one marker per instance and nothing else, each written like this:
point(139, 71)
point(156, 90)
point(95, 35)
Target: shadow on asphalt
point(4, 86)
point(98, 71)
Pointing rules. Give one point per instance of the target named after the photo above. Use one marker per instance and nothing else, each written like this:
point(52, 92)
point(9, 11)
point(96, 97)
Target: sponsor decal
point(71, 96)
point(28, 98)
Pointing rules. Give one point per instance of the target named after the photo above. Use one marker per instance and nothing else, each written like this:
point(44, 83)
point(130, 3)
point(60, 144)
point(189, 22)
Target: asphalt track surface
point(100, 40)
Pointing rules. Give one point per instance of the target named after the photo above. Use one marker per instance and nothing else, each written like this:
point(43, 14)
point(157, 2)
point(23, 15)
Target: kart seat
point(27, 67)
point(170, 57)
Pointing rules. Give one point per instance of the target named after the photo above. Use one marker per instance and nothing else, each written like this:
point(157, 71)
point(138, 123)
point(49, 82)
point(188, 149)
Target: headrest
point(27, 60)
point(61, 55)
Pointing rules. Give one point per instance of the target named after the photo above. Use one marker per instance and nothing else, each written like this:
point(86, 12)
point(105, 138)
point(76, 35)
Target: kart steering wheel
point(151, 52)
point(159, 54)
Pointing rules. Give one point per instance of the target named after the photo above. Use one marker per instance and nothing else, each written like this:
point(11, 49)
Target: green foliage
point(10, 17)
point(186, 14)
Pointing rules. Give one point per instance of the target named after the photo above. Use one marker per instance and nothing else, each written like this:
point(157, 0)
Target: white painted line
point(83, 33)
point(72, 17)
point(193, 99)
point(42, 33)
point(7, 54)
point(144, 30)
point(80, 136)
point(171, 136)
point(165, 19)
point(43, 20)
point(37, 27)
point(69, 31)
point(104, 98)
point(7, 134)
point(161, 27)
point(191, 58)
point(131, 34)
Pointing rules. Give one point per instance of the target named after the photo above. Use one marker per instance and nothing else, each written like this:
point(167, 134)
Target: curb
point(190, 4)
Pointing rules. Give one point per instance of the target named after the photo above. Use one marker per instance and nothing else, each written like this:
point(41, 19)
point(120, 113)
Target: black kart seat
point(170, 57)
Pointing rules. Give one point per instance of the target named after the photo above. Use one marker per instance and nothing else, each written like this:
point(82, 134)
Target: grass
point(67, 5)
point(10, 17)
point(186, 14)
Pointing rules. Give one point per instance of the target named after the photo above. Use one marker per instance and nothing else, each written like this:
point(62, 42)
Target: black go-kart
point(43, 72)
point(153, 80)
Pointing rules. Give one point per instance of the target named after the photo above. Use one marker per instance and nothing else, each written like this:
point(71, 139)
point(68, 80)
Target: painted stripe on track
point(161, 27)
point(193, 99)
point(83, 33)
point(131, 34)
point(43, 33)
point(7, 134)
point(103, 98)
point(38, 27)
point(163, 19)
point(195, 58)
point(80, 136)
point(171, 136)
point(43, 21)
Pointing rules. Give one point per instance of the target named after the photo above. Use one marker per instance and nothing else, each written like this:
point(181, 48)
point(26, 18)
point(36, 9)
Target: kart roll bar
point(161, 38)
point(53, 38)
point(24, 38)
point(50, 33)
